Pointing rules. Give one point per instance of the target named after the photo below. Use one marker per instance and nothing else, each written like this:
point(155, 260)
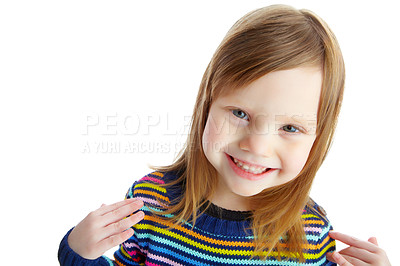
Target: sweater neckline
point(225, 214)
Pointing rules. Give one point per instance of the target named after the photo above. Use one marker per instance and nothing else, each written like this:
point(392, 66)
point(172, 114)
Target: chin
point(247, 193)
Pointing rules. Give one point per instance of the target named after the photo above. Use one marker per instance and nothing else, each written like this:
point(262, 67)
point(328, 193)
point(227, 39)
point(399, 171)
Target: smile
point(249, 168)
point(246, 171)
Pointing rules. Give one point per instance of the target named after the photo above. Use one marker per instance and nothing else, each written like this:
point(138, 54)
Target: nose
point(258, 144)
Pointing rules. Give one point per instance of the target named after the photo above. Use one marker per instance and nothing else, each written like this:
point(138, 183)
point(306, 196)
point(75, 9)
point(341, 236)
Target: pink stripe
point(152, 179)
point(313, 229)
point(131, 253)
point(147, 200)
point(162, 259)
point(133, 245)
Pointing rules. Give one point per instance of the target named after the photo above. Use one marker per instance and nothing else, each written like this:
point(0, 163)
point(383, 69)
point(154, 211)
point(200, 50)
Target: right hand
point(105, 228)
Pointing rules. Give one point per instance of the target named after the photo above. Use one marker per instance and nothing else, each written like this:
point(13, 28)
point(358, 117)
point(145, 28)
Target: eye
point(240, 114)
point(290, 129)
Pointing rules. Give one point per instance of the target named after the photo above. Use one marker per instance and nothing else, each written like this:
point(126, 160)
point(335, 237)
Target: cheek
point(207, 139)
point(298, 161)
point(294, 159)
point(214, 136)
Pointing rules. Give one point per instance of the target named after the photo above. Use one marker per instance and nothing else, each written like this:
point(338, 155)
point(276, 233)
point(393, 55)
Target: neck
point(231, 202)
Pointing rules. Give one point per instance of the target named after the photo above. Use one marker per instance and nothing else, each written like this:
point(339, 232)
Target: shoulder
point(151, 188)
point(316, 222)
point(312, 209)
point(314, 214)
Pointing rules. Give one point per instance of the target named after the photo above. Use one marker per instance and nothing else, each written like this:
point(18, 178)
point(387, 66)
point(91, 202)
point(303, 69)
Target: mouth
point(249, 168)
point(247, 171)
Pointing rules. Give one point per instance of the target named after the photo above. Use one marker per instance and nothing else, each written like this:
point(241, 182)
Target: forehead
point(293, 92)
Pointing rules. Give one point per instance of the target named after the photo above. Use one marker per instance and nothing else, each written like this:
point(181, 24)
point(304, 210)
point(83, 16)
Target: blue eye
point(240, 114)
point(290, 129)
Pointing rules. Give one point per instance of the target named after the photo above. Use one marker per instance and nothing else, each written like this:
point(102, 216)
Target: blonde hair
point(268, 39)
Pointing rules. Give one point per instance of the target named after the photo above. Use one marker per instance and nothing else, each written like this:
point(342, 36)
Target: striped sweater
point(218, 237)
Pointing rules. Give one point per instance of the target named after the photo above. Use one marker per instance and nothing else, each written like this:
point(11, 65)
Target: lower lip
point(240, 172)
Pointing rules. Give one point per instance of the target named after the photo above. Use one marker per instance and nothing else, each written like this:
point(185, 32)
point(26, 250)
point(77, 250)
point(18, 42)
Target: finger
point(107, 208)
point(115, 240)
point(340, 260)
point(352, 241)
point(373, 240)
point(361, 255)
point(121, 212)
point(330, 257)
point(353, 261)
point(120, 226)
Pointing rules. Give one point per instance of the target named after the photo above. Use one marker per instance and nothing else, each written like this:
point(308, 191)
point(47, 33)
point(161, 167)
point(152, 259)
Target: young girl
point(238, 194)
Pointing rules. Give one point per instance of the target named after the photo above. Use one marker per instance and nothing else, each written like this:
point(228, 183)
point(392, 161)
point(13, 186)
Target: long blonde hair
point(268, 39)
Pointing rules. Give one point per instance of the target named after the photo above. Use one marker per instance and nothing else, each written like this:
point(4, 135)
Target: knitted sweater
point(218, 237)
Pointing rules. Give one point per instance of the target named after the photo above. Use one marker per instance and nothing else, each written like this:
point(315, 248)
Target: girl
point(238, 194)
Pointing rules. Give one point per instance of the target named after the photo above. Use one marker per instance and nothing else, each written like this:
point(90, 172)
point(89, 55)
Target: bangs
point(261, 44)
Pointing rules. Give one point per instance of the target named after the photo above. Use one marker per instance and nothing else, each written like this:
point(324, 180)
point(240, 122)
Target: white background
point(65, 65)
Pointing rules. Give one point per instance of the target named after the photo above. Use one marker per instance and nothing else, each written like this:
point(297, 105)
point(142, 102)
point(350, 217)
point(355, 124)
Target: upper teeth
point(248, 168)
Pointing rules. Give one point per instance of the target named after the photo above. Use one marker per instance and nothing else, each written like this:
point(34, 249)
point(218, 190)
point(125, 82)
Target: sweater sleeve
point(128, 253)
point(68, 257)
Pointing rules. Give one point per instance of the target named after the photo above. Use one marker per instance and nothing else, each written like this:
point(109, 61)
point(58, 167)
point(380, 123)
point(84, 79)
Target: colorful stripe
point(153, 244)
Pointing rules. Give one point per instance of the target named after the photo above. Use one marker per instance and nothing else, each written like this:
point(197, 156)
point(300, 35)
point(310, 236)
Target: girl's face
point(260, 136)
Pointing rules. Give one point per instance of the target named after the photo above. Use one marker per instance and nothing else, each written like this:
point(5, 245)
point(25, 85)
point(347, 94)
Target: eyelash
point(298, 130)
point(233, 110)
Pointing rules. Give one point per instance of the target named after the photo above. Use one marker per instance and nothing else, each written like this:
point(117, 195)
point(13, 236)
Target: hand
point(105, 228)
point(359, 253)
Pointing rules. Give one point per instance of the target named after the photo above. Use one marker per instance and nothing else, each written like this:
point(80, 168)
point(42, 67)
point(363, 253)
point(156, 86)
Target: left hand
point(358, 253)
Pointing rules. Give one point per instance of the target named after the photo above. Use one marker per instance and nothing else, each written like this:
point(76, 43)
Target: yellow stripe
point(126, 255)
point(149, 185)
point(192, 242)
point(124, 252)
point(222, 242)
point(197, 235)
point(217, 250)
point(305, 216)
